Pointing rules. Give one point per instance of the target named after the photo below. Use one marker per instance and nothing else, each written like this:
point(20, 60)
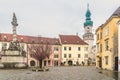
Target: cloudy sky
point(50, 18)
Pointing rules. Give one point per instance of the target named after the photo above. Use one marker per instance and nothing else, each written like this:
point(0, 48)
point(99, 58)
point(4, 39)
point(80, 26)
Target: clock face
point(88, 28)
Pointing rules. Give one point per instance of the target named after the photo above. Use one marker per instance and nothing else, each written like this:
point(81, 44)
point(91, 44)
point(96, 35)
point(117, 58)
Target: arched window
point(32, 63)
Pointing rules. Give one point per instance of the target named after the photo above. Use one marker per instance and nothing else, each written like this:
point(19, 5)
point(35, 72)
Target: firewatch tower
point(88, 36)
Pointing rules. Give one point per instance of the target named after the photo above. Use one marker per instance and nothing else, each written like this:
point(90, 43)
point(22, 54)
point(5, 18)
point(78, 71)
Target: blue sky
point(50, 18)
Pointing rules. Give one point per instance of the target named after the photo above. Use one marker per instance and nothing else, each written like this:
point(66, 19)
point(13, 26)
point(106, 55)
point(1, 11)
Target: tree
point(40, 52)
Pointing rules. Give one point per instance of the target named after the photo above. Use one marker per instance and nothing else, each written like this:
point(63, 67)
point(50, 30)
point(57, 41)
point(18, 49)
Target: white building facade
point(74, 50)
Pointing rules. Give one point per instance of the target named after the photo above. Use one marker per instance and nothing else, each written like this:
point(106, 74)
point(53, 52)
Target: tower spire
point(88, 17)
point(14, 23)
point(87, 6)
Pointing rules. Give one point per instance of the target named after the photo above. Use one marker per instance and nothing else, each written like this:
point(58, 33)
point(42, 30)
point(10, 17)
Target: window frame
point(65, 55)
point(70, 48)
point(106, 60)
point(65, 48)
point(56, 49)
point(106, 31)
point(79, 56)
point(106, 45)
point(70, 55)
point(56, 56)
point(79, 48)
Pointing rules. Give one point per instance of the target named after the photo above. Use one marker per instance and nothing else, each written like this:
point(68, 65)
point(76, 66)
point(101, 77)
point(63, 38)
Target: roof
point(46, 40)
point(117, 12)
point(71, 39)
point(29, 39)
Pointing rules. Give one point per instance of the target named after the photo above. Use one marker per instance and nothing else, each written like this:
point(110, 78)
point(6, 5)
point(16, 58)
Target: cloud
point(53, 17)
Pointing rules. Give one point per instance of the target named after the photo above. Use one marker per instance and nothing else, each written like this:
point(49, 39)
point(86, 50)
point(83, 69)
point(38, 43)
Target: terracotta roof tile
point(29, 39)
point(71, 39)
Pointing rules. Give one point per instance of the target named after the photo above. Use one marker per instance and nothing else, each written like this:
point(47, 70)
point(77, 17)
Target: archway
point(32, 63)
point(70, 63)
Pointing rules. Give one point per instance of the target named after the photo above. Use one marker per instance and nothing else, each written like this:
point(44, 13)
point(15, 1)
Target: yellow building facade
point(107, 43)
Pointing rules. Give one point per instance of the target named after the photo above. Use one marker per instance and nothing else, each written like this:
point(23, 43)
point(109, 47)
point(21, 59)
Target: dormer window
point(65, 41)
point(33, 41)
point(56, 42)
point(5, 38)
point(21, 39)
point(77, 41)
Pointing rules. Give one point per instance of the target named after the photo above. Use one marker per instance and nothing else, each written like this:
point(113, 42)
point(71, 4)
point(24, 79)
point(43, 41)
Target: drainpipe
point(118, 45)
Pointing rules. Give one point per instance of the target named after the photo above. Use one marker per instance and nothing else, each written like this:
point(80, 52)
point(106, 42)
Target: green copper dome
point(88, 19)
point(88, 23)
point(88, 14)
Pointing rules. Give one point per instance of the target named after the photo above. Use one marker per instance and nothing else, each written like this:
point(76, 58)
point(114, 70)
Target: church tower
point(88, 36)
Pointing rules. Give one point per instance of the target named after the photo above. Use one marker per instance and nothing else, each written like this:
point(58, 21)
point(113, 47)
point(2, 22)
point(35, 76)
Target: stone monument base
point(13, 59)
point(13, 65)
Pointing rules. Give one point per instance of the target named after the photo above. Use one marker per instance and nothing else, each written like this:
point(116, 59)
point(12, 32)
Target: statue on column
point(14, 44)
point(14, 23)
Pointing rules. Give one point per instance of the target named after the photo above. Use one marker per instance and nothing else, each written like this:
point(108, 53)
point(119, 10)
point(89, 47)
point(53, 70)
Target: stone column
point(119, 45)
point(14, 23)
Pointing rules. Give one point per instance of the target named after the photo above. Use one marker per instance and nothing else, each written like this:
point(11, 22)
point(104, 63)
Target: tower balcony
point(88, 36)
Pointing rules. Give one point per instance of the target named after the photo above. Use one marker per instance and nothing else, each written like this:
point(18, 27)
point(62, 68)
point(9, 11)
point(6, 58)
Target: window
point(69, 55)
point(55, 48)
point(78, 55)
point(106, 60)
point(97, 47)
point(86, 48)
point(106, 45)
point(100, 47)
point(106, 31)
point(78, 48)
point(65, 55)
point(65, 48)
point(97, 36)
point(86, 55)
point(69, 48)
point(55, 55)
point(100, 35)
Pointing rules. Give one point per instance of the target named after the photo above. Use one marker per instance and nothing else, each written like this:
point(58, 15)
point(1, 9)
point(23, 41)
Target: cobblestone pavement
point(58, 73)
